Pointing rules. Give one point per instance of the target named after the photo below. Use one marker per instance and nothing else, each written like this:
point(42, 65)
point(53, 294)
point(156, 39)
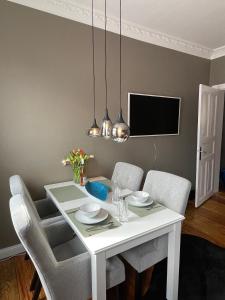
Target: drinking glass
point(122, 209)
point(115, 192)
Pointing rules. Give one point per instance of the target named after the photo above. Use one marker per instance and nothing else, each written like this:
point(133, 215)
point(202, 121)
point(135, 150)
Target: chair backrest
point(18, 187)
point(127, 176)
point(60, 280)
point(170, 190)
point(32, 237)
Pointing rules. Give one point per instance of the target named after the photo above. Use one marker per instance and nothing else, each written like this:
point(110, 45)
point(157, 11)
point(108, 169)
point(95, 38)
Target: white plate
point(133, 202)
point(86, 220)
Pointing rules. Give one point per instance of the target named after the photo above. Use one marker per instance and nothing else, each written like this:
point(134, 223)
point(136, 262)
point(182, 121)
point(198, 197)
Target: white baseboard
point(11, 251)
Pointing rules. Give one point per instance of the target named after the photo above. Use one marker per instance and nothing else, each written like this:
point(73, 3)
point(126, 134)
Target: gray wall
point(217, 76)
point(222, 160)
point(46, 101)
point(217, 71)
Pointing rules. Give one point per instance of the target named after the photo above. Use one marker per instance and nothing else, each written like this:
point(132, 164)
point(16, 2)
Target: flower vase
point(79, 175)
point(83, 177)
point(76, 174)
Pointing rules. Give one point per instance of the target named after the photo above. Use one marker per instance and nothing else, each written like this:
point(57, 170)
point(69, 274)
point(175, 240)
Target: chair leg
point(119, 292)
point(138, 286)
point(26, 257)
point(34, 281)
point(37, 290)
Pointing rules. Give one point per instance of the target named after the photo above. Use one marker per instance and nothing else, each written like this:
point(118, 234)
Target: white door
point(209, 136)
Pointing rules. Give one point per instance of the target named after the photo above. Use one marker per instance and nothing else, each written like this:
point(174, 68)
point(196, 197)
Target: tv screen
point(153, 115)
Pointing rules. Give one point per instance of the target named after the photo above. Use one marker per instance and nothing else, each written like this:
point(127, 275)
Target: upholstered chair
point(44, 208)
point(127, 176)
point(171, 191)
point(64, 267)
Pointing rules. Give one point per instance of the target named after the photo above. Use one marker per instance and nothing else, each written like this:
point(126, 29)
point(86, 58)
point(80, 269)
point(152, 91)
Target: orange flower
point(82, 152)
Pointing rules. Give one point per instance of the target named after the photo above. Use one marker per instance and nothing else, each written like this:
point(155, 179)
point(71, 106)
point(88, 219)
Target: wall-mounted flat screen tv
point(150, 115)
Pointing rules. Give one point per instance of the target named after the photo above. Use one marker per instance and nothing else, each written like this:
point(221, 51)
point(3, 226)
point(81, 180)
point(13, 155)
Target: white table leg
point(98, 270)
point(173, 262)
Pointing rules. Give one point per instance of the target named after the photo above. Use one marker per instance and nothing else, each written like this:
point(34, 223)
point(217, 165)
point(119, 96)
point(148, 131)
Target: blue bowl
point(97, 189)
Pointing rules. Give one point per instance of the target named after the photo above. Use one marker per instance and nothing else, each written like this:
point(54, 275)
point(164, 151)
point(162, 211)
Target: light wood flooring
point(208, 221)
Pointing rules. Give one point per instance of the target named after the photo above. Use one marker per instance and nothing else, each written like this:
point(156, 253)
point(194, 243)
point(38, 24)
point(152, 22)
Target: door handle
point(201, 151)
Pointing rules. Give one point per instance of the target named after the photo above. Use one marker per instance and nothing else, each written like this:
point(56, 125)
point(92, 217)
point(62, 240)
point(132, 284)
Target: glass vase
point(83, 177)
point(76, 174)
point(79, 175)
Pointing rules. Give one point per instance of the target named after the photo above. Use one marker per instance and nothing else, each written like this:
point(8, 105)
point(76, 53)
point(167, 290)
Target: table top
point(134, 228)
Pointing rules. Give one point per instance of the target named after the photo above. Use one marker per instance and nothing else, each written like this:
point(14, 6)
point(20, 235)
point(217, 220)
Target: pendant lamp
point(94, 131)
point(106, 128)
point(120, 130)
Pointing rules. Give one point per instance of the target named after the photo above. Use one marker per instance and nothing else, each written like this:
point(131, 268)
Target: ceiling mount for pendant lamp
point(94, 131)
point(120, 130)
point(106, 128)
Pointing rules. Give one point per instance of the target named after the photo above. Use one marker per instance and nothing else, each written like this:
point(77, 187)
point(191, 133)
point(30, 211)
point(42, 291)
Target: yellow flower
point(64, 162)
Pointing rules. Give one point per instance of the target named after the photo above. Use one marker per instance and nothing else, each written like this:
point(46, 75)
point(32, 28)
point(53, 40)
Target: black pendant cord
point(93, 55)
point(120, 57)
point(106, 85)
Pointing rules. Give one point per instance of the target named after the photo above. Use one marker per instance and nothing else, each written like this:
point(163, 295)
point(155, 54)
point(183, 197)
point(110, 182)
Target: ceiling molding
point(71, 10)
point(218, 52)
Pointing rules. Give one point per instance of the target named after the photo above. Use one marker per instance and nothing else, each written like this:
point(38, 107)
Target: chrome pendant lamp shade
point(94, 131)
point(120, 130)
point(106, 128)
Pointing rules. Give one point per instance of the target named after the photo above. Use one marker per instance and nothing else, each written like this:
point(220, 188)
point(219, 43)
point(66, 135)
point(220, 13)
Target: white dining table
point(136, 231)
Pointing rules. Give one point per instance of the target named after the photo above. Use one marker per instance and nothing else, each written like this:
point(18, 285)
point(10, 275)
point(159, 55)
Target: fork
point(69, 211)
point(152, 207)
point(97, 227)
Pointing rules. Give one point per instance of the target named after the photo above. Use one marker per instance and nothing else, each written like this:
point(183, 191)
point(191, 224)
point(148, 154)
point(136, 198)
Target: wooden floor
point(208, 221)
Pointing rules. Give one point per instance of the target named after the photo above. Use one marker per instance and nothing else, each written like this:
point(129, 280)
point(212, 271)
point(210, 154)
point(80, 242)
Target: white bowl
point(90, 210)
point(140, 196)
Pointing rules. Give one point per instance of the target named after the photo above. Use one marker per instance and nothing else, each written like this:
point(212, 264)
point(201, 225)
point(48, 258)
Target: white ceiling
point(192, 26)
point(198, 21)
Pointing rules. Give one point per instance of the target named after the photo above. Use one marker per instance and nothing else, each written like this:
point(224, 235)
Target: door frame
point(219, 144)
point(218, 141)
point(219, 86)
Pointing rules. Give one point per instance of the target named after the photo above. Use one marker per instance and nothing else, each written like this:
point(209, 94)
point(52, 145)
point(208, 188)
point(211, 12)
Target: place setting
point(91, 218)
point(142, 204)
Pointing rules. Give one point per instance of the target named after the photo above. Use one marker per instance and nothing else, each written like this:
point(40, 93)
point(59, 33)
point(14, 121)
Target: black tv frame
point(159, 96)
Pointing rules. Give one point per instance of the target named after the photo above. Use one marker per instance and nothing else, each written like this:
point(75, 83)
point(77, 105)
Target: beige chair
point(127, 176)
point(63, 265)
point(44, 209)
point(171, 191)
